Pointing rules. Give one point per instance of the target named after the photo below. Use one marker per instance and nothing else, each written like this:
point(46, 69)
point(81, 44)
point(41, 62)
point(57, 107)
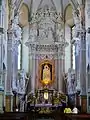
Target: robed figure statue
point(46, 74)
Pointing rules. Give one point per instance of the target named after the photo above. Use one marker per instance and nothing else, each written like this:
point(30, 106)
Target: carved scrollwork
point(47, 48)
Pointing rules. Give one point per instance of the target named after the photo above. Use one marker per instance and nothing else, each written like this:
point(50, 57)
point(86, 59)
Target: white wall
point(67, 49)
point(25, 51)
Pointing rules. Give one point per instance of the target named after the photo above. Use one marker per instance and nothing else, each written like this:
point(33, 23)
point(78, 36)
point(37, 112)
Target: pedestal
point(21, 103)
point(14, 102)
point(9, 103)
point(1, 101)
point(77, 100)
point(83, 103)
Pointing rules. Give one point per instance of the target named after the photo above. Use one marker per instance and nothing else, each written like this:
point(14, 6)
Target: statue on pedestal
point(16, 31)
point(77, 24)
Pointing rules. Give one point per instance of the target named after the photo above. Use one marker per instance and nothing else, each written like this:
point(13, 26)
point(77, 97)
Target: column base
point(21, 103)
point(9, 101)
point(83, 99)
point(78, 98)
point(78, 104)
point(14, 101)
point(1, 101)
point(88, 102)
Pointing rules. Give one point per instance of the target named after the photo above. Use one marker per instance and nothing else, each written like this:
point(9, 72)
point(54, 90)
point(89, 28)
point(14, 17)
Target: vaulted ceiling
point(31, 6)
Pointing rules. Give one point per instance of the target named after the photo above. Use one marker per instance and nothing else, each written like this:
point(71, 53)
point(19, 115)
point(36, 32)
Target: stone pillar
point(9, 93)
point(33, 74)
point(87, 17)
point(36, 69)
point(14, 101)
point(80, 34)
point(1, 71)
point(76, 38)
point(83, 58)
point(14, 74)
point(56, 72)
point(30, 69)
point(30, 60)
point(60, 65)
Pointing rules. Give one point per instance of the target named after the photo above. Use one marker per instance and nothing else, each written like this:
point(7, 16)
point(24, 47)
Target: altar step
point(45, 119)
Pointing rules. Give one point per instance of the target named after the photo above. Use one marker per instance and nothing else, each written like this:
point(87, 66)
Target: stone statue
point(77, 23)
point(16, 30)
point(71, 81)
point(22, 81)
point(46, 73)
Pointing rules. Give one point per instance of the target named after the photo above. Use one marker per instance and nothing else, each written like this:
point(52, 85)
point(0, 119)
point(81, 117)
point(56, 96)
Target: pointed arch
point(43, 2)
point(23, 15)
point(68, 17)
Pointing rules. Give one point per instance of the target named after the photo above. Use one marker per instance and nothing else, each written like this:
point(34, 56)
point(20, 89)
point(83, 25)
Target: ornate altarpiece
point(46, 38)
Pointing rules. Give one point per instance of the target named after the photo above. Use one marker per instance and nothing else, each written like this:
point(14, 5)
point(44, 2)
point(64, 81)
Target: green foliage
point(44, 110)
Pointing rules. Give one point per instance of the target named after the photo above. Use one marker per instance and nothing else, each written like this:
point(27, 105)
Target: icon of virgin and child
point(46, 75)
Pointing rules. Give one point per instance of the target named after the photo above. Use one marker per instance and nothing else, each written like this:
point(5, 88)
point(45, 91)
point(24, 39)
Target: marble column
point(87, 16)
point(83, 58)
point(36, 70)
point(83, 63)
point(1, 71)
point(76, 38)
point(29, 63)
point(33, 74)
point(14, 70)
point(60, 64)
point(56, 72)
point(79, 20)
point(9, 93)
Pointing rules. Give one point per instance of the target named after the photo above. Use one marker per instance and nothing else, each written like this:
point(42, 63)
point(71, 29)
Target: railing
point(35, 116)
point(31, 116)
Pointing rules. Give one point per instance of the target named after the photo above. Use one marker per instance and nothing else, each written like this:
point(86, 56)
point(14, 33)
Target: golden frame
point(51, 63)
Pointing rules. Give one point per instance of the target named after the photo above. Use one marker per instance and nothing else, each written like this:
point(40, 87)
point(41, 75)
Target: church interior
point(44, 55)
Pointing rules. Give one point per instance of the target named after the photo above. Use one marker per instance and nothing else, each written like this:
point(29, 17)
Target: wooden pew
point(35, 116)
point(78, 116)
